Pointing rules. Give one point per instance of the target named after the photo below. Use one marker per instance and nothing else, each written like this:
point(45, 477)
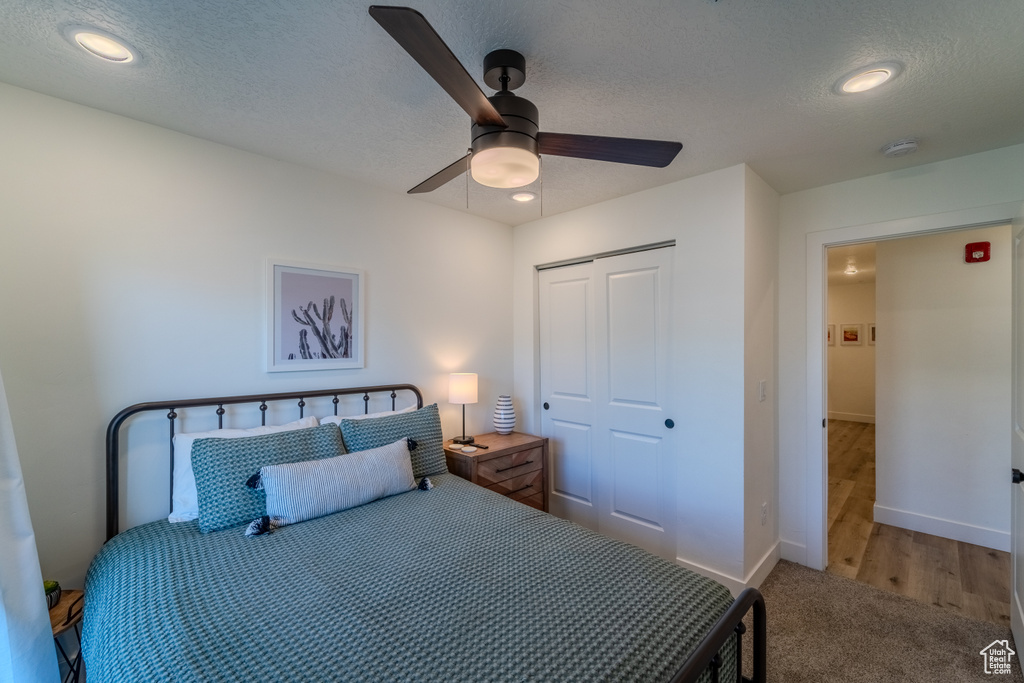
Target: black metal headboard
point(114, 428)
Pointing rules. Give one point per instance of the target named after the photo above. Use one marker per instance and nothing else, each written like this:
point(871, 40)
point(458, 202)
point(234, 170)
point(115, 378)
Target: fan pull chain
point(540, 167)
point(467, 180)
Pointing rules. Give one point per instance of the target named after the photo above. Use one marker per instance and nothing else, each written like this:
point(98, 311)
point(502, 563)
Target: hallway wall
point(851, 368)
point(943, 446)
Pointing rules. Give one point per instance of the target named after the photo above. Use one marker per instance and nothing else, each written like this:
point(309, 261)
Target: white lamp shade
point(504, 167)
point(462, 387)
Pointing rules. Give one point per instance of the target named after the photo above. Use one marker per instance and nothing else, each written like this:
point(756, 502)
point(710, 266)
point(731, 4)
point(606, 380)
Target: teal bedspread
point(452, 584)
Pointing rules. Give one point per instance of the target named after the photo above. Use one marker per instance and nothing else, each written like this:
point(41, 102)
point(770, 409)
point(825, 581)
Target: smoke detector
point(900, 148)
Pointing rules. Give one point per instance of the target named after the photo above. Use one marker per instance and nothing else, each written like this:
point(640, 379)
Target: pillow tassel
point(262, 525)
point(425, 484)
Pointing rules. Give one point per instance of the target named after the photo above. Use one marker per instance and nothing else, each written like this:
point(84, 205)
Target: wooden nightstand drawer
point(513, 465)
point(507, 466)
point(523, 486)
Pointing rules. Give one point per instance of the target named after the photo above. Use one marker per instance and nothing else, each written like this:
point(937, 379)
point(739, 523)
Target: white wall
point(943, 443)
point(851, 368)
point(707, 216)
point(760, 294)
point(945, 194)
point(132, 268)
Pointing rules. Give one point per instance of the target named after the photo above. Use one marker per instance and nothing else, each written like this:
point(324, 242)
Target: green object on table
point(52, 589)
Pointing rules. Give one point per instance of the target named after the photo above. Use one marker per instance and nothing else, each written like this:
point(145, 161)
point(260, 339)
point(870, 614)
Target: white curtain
point(26, 642)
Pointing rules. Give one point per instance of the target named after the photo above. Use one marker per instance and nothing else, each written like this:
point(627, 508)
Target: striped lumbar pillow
point(314, 488)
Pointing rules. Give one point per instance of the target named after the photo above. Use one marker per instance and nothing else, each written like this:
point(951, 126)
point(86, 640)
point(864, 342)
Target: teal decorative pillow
point(221, 467)
point(422, 426)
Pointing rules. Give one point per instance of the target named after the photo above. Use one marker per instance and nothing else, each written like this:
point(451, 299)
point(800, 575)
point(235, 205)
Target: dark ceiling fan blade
point(658, 153)
point(450, 172)
point(417, 37)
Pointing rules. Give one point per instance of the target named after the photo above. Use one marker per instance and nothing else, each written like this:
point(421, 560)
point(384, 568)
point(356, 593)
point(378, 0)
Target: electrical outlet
point(764, 514)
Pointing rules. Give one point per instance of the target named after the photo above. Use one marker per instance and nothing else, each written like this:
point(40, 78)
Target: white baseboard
point(764, 566)
point(851, 417)
point(735, 585)
point(946, 528)
point(793, 551)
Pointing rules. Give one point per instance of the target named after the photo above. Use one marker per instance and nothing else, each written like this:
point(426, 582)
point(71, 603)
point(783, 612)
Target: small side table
point(514, 465)
point(67, 614)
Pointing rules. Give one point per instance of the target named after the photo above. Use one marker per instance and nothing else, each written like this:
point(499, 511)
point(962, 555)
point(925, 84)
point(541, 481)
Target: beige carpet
point(823, 627)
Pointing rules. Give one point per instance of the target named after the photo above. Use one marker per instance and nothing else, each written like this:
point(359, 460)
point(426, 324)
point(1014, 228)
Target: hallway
point(967, 579)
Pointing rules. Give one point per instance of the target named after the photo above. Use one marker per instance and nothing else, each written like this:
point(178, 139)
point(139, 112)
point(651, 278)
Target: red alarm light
point(977, 252)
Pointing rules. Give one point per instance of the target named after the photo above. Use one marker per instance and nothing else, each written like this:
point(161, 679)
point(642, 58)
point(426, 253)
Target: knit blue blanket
point(452, 584)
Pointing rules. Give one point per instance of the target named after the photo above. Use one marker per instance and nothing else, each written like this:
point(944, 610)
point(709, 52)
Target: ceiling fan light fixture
point(504, 167)
point(523, 196)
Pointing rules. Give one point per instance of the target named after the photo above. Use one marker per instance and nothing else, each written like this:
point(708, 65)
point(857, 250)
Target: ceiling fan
point(506, 142)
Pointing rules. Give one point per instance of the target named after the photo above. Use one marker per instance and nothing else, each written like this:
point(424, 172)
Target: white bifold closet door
point(605, 393)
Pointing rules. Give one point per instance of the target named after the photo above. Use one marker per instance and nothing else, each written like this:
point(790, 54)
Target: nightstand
point(67, 614)
point(514, 465)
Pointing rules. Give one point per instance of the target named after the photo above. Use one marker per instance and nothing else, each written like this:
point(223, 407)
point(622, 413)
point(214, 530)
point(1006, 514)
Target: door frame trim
point(815, 435)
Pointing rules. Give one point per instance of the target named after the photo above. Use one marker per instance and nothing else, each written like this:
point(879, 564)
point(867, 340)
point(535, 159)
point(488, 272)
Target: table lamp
point(462, 390)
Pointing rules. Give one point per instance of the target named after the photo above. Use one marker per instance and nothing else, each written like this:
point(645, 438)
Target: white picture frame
point(851, 334)
point(315, 316)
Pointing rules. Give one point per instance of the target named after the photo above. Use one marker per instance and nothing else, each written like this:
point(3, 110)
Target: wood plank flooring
point(968, 579)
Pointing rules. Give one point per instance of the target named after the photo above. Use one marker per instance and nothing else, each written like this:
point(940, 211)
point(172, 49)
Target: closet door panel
point(567, 388)
point(634, 462)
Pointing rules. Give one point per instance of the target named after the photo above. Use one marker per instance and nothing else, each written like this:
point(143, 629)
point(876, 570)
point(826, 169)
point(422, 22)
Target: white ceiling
point(319, 83)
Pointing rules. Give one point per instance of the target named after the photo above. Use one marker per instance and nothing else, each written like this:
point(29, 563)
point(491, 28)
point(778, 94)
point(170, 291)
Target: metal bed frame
point(705, 657)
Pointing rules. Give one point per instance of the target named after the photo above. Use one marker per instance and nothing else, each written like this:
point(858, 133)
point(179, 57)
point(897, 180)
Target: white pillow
point(336, 419)
point(185, 503)
point(306, 490)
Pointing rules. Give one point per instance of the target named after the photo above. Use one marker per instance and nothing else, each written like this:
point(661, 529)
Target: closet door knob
point(546, 406)
point(670, 424)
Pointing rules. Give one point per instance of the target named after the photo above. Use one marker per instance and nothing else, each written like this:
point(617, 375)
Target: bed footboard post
point(706, 654)
point(740, 630)
point(760, 642)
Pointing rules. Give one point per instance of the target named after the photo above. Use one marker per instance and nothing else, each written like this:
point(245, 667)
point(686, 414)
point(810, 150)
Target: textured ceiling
point(319, 83)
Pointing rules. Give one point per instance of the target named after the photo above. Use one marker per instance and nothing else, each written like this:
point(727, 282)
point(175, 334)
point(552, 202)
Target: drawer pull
point(506, 469)
point(520, 489)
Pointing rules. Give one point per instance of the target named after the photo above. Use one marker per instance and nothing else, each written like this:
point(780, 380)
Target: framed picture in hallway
point(851, 334)
point(831, 334)
point(315, 317)
point(871, 334)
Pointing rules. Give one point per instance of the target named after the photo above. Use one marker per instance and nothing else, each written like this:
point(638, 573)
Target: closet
point(604, 379)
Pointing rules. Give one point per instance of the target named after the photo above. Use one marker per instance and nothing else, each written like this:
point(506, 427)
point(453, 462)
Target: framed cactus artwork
point(315, 317)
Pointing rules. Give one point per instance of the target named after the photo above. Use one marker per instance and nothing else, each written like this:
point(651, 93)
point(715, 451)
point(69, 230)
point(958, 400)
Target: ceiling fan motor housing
point(521, 116)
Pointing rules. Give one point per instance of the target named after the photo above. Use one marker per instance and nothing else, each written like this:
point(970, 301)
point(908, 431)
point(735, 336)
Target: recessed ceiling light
point(863, 80)
point(523, 196)
point(102, 44)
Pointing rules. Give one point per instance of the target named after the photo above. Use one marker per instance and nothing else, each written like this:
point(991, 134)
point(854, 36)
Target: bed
point(448, 583)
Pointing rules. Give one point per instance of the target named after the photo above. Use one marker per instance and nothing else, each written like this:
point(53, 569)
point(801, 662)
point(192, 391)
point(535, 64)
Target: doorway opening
point(916, 342)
